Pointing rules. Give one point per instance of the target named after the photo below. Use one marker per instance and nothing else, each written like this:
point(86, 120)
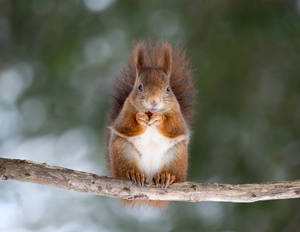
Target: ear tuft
point(139, 58)
point(165, 62)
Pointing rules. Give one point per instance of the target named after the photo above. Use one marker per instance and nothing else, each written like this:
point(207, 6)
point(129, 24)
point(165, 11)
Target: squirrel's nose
point(154, 103)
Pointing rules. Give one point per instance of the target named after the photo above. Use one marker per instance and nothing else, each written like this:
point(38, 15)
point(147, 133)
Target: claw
point(143, 179)
point(172, 179)
point(156, 179)
point(164, 179)
point(168, 178)
point(136, 177)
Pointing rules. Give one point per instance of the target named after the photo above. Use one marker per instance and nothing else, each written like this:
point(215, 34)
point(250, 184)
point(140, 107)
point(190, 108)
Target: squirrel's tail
point(151, 203)
point(182, 83)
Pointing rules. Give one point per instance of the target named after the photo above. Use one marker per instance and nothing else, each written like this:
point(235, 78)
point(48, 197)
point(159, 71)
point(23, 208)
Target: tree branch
point(29, 171)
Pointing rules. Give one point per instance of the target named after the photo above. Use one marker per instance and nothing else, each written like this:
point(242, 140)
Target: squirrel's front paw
point(136, 177)
point(164, 179)
point(156, 119)
point(142, 118)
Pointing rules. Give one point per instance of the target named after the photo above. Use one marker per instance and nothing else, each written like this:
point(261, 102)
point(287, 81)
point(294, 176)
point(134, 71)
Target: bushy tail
point(151, 203)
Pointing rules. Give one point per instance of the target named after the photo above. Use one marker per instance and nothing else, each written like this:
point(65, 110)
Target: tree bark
point(29, 171)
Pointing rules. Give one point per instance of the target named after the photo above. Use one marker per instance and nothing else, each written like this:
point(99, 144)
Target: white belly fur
point(153, 150)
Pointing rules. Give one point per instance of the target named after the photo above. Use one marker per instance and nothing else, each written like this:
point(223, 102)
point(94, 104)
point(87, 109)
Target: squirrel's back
point(181, 79)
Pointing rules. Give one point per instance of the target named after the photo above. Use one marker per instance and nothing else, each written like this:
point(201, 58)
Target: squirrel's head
point(152, 91)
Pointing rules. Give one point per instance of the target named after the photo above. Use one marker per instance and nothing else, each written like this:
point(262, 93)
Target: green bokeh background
point(60, 59)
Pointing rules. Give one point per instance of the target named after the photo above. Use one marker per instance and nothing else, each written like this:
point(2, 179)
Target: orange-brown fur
point(126, 122)
point(153, 66)
point(173, 125)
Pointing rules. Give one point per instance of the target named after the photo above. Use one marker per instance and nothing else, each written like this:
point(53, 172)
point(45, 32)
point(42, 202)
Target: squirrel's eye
point(168, 90)
point(140, 88)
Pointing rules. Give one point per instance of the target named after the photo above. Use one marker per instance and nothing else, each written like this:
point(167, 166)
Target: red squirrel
point(148, 126)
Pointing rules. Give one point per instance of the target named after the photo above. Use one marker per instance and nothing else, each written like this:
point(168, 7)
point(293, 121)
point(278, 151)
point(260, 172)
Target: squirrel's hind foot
point(136, 177)
point(164, 179)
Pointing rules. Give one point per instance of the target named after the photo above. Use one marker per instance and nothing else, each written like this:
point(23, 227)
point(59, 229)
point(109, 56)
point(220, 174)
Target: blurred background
point(58, 60)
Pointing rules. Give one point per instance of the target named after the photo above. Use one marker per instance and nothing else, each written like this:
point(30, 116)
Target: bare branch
point(28, 171)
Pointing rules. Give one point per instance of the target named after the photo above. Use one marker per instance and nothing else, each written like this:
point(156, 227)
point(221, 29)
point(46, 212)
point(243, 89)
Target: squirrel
point(148, 126)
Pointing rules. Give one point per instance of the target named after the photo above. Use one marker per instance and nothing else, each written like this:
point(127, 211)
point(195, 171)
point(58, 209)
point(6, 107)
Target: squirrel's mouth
point(153, 109)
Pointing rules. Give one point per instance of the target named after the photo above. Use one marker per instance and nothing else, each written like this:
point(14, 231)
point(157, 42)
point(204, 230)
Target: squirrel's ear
point(139, 59)
point(165, 62)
